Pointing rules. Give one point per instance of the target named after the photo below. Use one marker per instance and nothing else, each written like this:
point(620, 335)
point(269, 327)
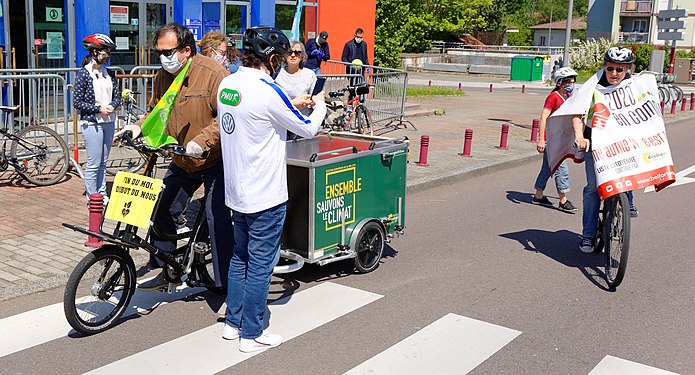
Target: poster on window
point(118, 14)
point(54, 45)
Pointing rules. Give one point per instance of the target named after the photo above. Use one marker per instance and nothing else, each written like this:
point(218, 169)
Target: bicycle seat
point(9, 109)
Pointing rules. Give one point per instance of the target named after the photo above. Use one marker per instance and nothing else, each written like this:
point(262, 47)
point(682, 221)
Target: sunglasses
point(166, 52)
point(295, 53)
point(567, 81)
point(611, 69)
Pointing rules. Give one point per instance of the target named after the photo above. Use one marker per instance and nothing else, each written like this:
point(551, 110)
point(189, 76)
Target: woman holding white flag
point(617, 65)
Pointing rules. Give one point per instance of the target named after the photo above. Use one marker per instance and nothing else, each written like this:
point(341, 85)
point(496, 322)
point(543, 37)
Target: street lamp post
point(568, 33)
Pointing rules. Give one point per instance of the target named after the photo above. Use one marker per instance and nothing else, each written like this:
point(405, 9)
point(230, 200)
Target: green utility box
point(527, 68)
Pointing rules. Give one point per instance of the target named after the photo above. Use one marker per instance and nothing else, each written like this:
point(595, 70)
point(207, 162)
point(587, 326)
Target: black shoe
point(544, 201)
point(633, 212)
point(157, 283)
point(567, 207)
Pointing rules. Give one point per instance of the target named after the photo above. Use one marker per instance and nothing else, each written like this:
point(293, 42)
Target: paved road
point(483, 281)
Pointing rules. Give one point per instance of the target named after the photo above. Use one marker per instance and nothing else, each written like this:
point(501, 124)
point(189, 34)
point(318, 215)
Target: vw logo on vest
point(228, 123)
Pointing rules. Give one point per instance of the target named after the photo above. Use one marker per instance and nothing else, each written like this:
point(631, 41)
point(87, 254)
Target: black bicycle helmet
point(265, 41)
point(619, 55)
point(97, 41)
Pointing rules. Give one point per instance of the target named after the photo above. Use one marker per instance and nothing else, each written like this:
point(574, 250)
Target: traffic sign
point(38, 42)
point(665, 25)
point(673, 13)
point(672, 35)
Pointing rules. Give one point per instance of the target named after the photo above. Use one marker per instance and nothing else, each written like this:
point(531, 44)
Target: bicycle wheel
point(202, 264)
point(676, 93)
point(664, 95)
point(99, 289)
point(616, 237)
point(124, 158)
point(42, 155)
point(363, 120)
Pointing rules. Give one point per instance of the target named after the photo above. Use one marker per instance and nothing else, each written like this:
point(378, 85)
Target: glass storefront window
point(156, 15)
point(49, 27)
point(124, 32)
point(237, 17)
point(284, 18)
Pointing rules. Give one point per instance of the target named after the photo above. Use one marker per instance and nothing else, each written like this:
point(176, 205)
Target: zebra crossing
point(453, 344)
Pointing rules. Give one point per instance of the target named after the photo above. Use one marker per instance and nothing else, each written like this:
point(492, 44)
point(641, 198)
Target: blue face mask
point(568, 88)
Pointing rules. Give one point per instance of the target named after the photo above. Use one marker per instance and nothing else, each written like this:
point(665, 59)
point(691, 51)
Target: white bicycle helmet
point(619, 55)
point(563, 73)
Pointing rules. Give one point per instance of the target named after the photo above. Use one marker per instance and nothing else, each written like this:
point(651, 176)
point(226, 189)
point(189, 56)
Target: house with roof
point(553, 34)
point(635, 21)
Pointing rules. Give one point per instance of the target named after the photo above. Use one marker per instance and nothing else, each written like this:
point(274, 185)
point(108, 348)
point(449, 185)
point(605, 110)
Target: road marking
point(610, 365)
point(453, 344)
point(680, 179)
point(35, 327)
point(207, 353)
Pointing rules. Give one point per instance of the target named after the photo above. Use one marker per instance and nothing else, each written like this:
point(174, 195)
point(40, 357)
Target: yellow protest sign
point(133, 198)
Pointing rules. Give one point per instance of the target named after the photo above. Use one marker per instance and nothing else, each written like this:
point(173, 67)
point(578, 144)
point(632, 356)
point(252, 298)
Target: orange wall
point(340, 18)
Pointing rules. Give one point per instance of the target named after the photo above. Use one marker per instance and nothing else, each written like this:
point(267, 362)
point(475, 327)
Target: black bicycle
point(123, 157)
point(613, 237)
point(101, 285)
point(37, 153)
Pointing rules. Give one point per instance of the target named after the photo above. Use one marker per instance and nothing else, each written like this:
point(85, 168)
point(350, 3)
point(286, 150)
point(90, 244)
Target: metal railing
point(632, 6)
point(442, 47)
point(385, 101)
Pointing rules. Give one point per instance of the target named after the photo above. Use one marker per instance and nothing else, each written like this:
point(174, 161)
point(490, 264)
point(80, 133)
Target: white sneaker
point(230, 333)
point(265, 341)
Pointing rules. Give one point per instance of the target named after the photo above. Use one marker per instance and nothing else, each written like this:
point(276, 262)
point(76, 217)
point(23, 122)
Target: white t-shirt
point(103, 91)
point(296, 84)
point(254, 115)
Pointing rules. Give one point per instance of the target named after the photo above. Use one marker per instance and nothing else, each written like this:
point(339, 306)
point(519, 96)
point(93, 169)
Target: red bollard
point(424, 146)
point(683, 104)
point(503, 137)
point(663, 105)
point(459, 86)
point(491, 87)
point(96, 209)
point(467, 139)
point(534, 130)
point(673, 107)
point(523, 89)
point(692, 101)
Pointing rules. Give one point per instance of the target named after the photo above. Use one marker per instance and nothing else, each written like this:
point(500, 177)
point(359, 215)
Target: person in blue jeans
point(617, 63)
point(96, 98)
point(255, 115)
point(564, 85)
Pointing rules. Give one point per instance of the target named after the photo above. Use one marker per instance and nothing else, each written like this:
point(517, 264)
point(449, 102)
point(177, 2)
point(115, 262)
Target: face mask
point(171, 64)
point(222, 60)
point(358, 40)
point(568, 88)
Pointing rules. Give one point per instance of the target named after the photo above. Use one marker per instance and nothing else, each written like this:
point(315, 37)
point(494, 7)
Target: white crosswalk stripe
point(610, 365)
point(48, 323)
point(453, 344)
point(208, 353)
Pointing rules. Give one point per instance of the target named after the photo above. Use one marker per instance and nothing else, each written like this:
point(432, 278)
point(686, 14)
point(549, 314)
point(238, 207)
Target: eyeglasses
point(222, 52)
point(618, 69)
point(295, 53)
point(167, 52)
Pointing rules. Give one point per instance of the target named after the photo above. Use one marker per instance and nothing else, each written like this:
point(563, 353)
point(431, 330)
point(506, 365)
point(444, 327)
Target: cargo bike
point(346, 200)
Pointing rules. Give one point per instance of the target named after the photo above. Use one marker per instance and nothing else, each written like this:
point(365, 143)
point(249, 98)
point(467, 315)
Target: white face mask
point(171, 64)
point(358, 40)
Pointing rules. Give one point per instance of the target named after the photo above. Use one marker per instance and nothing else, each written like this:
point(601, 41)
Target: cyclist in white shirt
point(254, 117)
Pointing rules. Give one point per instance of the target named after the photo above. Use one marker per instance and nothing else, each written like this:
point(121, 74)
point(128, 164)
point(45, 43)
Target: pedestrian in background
point(564, 85)
point(355, 54)
point(96, 98)
point(215, 45)
point(317, 51)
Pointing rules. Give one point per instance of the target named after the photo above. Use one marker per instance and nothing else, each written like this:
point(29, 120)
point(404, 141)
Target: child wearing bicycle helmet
point(96, 98)
point(564, 85)
point(617, 65)
point(254, 115)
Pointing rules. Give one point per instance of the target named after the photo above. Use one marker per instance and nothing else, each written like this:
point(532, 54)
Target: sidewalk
point(37, 253)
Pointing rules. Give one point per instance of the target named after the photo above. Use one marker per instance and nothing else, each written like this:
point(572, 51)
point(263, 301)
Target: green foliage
point(388, 38)
point(642, 56)
point(431, 91)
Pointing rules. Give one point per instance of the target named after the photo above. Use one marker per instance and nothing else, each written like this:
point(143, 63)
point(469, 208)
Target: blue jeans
point(591, 201)
point(562, 176)
point(255, 254)
point(179, 187)
point(97, 140)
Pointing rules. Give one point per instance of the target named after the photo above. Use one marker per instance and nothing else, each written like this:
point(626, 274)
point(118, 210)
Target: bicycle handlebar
point(178, 150)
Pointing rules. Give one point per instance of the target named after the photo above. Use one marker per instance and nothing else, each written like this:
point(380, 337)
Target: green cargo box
point(346, 197)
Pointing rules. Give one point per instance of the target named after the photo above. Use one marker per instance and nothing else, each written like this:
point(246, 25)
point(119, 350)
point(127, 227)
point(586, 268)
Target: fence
point(385, 101)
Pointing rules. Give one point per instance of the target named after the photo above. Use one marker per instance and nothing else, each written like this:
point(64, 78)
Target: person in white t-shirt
point(254, 116)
